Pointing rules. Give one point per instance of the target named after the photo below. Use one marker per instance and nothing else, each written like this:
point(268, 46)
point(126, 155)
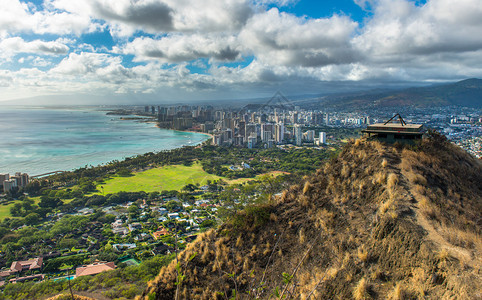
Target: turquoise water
point(65, 278)
point(40, 140)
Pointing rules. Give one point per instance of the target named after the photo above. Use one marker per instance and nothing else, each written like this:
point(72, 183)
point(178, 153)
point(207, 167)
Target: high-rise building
point(217, 139)
point(238, 140)
point(4, 177)
point(322, 137)
point(251, 142)
point(242, 128)
point(310, 136)
point(298, 134)
point(327, 119)
point(266, 128)
point(9, 184)
point(294, 119)
point(266, 136)
point(21, 178)
point(250, 129)
point(227, 135)
point(280, 133)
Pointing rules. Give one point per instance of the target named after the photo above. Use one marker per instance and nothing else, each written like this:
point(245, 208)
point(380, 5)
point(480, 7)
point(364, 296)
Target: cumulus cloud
point(181, 48)
point(281, 38)
point(399, 41)
point(85, 63)
point(16, 16)
point(10, 46)
point(400, 29)
point(156, 16)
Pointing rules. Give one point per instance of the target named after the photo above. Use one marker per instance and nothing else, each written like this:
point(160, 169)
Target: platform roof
point(394, 128)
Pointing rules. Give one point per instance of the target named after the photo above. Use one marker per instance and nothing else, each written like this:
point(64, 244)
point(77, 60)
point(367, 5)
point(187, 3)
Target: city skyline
point(189, 50)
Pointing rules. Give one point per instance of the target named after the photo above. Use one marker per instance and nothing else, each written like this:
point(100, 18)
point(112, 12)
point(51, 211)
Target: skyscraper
point(322, 137)
point(298, 135)
point(280, 133)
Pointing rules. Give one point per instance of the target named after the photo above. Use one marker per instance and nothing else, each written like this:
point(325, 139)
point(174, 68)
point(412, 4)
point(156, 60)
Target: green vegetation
point(122, 283)
point(70, 216)
point(376, 222)
point(165, 178)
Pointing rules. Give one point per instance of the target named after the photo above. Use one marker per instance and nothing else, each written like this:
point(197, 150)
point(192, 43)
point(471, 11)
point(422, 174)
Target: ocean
point(40, 140)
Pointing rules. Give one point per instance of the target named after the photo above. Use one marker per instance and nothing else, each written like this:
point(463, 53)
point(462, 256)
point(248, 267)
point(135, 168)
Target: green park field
point(5, 207)
point(159, 179)
point(5, 210)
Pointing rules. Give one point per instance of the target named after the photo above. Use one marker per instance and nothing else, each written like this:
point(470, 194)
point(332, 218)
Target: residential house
point(94, 268)
point(25, 265)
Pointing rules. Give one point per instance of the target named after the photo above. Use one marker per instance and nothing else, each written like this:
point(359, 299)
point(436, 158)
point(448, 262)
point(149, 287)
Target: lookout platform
point(391, 132)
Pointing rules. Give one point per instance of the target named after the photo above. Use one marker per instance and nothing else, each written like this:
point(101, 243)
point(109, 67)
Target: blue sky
point(155, 51)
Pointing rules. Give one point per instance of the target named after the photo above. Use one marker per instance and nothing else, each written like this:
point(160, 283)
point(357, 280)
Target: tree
point(189, 187)
point(27, 204)
point(207, 223)
point(124, 172)
point(48, 202)
point(32, 218)
point(16, 210)
point(172, 205)
point(153, 195)
point(32, 188)
point(133, 209)
point(68, 243)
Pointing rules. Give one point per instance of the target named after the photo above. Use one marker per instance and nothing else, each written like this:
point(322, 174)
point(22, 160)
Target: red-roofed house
point(94, 268)
point(25, 265)
point(159, 233)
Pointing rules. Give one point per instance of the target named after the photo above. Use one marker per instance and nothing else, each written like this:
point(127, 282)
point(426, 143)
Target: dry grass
point(398, 292)
point(392, 181)
point(306, 187)
point(384, 163)
point(363, 217)
point(362, 253)
point(361, 290)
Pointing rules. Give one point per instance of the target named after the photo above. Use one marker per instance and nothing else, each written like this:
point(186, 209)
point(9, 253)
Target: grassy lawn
point(5, 209)
point(159, 179)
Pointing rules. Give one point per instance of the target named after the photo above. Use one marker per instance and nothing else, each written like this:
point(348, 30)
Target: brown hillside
point(379, 221)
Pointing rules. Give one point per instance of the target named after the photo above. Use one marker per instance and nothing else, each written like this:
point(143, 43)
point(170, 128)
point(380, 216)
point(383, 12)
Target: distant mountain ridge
point(462, 93)
point(467, 93)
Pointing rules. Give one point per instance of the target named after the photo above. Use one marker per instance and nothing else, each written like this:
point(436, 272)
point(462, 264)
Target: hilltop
point(378, 221)
point(462, 93)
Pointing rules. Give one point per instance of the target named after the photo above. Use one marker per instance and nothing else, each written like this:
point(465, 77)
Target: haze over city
point(96, 51)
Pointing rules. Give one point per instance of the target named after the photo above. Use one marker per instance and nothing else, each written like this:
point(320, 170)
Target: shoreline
point(98, 160)
point(150, 119)
point(190, 131)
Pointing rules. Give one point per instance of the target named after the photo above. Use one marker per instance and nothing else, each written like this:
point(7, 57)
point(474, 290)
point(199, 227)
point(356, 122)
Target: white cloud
point(85, 63)
point(400, 41)
point(283, 39)
point(181, 48)
point(16, 16)
point(11, 46)
point(401, 29)
point(155, 16)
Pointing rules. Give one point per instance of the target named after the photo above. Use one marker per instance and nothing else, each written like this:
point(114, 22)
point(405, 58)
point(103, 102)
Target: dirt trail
point(433, 235)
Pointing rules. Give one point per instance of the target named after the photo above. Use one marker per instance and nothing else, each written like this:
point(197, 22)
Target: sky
point(155, 51)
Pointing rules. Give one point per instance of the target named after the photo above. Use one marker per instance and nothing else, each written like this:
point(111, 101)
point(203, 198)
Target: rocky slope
point(379, 221)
